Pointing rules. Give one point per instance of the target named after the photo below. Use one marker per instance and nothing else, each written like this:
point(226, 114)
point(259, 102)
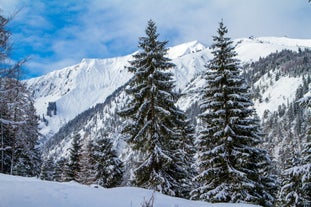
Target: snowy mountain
point(251, 49)
point(79, 87)
point(71, 194)
point(76, 88)
point(87, 95)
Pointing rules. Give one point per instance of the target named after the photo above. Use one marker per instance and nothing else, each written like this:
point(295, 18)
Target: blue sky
point(54, 34)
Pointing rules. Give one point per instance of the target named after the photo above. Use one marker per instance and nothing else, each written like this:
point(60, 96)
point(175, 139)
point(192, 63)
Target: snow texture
point(31, 192)
point(281, 92)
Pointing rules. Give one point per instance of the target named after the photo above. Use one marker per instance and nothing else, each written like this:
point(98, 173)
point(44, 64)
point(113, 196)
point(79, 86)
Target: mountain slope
point(76, 88)
point(253, 48)
point(80, 87)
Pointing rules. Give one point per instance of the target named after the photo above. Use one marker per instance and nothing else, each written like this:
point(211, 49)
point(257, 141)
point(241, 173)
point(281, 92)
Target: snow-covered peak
point(252, 48)
point(185, 48)
point(77, 88)
point(285, 41)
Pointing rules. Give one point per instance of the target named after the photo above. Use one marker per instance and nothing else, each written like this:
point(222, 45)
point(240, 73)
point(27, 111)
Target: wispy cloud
point(57, 33)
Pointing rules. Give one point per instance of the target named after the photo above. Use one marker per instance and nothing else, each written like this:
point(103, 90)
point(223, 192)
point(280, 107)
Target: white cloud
point(8, 6)
point(101, 28)
point(198, 19)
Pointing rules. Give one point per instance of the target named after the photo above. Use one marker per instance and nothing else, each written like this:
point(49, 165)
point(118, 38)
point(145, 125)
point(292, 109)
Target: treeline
point(92, 163)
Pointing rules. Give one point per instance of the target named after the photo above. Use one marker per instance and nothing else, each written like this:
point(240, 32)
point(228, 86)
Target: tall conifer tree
point(154, 122)
point(47, 169)
point(104, 167)
point(232, 168)
point(18, 121)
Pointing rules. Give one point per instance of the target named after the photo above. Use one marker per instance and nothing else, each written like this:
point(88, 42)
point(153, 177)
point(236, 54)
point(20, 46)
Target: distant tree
point(154, 122)
point(47, 169)
point(296, 186)
point(87, 172)
point(231, 166)
point(60, 170)
point(73, 168)
point(103, 163)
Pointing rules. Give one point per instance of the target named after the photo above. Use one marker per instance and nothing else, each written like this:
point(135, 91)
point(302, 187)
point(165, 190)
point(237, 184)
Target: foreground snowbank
point(30, 192)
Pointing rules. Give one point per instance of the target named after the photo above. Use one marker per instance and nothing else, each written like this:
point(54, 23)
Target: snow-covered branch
point(8, 122)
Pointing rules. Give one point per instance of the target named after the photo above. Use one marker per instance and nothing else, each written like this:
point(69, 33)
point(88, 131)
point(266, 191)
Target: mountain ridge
point(77, 88)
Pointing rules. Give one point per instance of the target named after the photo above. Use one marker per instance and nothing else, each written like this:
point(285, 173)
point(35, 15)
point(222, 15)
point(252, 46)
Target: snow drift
point(30, 192)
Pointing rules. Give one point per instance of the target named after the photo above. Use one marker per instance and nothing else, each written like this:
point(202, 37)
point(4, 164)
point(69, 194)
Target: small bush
point(148, 203)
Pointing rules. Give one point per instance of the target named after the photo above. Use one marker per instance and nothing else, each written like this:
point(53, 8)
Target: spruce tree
point(154, 122)
point(231, 167)
point(184, 151)
point(47, 169)
point(103, 163)
point(87, 171)
point(73, 168)
point(59, 173)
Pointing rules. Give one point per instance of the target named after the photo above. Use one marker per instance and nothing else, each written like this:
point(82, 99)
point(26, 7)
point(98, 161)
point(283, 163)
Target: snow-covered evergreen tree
point(60, 170)
point(47, 169)
point(87, 172)
point(6, 141)
point(103, 164)
point(18, 121)
point(73, 168)
point(231, 167)
point(184, 152)
point(19, 129)
point(296, 186)
point(154, 122)
point(306, 178)
point(27, 156)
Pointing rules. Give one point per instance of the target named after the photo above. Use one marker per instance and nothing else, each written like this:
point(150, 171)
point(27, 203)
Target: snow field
point(31, 192)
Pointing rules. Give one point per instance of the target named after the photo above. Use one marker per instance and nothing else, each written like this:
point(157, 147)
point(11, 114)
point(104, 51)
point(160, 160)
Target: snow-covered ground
point(30, 192)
